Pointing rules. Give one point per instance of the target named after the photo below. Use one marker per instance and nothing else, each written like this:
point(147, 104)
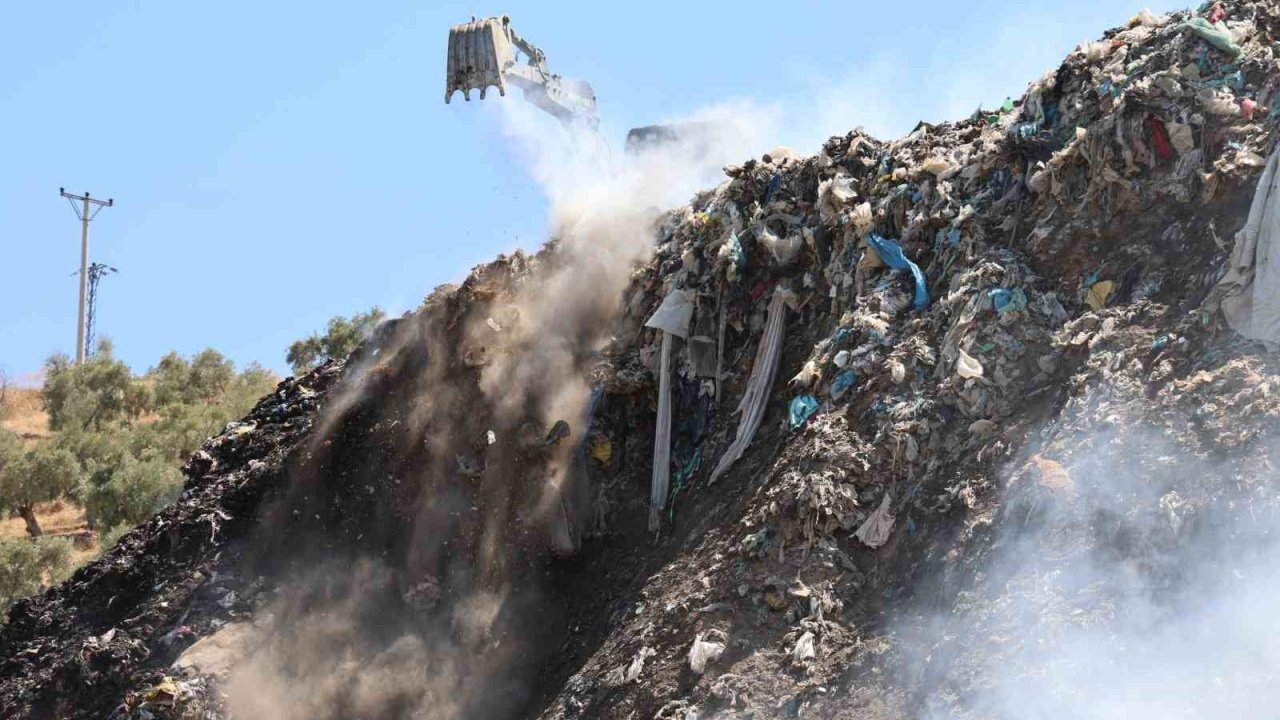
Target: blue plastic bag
point(1006, 300)
point(802, 408)
point(842, 383)
point(891, 253)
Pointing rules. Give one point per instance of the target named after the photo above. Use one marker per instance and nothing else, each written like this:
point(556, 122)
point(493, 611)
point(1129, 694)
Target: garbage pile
point(832, 393)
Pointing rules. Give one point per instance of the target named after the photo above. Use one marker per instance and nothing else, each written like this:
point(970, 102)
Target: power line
point(85, 215)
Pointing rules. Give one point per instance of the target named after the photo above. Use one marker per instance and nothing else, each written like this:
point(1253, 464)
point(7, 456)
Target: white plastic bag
point(704, 651)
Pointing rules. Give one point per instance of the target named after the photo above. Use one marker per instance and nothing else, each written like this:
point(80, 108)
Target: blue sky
point(275, 164)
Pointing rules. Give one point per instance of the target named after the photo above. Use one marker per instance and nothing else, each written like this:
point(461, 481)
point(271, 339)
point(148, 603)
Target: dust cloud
point(436, 609)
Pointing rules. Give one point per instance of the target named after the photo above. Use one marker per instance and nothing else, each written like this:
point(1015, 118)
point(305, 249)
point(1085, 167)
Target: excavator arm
point(482, 54)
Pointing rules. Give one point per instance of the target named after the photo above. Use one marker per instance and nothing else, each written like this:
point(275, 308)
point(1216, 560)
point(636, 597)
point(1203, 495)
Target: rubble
point(982, 321)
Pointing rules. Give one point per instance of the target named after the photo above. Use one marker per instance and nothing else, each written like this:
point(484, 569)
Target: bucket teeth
point(478, 53)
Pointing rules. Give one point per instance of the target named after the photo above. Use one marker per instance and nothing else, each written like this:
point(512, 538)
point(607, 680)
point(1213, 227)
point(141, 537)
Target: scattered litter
point(559, 431)
point(843, 382)
point(802, 408)
point(601, 448)
point(756, 396)
point(637, 665)
point(875, 531)
point(1099, 294)
point(703, 652)
point(968, 366)
point(805, 649)
point(891, 253)
point(1249, 293)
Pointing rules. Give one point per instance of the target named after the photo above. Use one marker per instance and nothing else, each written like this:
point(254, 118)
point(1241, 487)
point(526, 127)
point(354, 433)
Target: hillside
point(23, 414)
point(950, 426)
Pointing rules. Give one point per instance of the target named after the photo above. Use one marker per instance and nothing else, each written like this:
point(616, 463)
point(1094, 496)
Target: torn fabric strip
point(756, 397)
point(1249, 293)
point(661, 438)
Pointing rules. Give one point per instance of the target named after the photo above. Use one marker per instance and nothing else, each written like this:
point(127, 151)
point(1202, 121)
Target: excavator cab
point(694, 138)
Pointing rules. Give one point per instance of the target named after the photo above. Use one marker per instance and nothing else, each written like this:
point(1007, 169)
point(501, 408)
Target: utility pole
point(85, 215)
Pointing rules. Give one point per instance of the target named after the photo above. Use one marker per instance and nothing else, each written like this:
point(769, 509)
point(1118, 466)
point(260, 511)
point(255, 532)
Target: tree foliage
point(132, 491)
point(203, 379)
point(92, 394)
point(25, 566)
point(341, 337)
point(42, 473)
point(128, 467)
point(4, 395)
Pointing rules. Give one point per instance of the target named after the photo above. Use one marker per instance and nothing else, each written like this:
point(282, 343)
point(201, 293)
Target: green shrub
point(130, 492)
point(26, 566)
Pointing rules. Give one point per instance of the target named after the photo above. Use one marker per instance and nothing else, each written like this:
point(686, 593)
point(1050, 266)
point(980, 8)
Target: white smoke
point(1148, 589)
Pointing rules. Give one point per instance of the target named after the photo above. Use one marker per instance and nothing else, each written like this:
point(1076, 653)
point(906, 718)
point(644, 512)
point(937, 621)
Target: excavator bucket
point(479, 51)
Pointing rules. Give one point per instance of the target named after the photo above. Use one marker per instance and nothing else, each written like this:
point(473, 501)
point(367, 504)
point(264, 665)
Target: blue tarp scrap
point(802, 408)
point(842, 383)
point(891, 253)
point(1006, 300)
point(774, 183)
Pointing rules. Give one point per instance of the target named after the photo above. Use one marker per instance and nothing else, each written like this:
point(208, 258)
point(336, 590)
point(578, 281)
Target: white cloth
point(875, 531)
point(661, 438)
point(756, 397)
point(674, 314)
point(1249, 294)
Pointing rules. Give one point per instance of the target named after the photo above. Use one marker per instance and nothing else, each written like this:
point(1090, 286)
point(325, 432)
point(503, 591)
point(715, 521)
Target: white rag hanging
point(759, 386)
point(672, 318)
point(1249, 294)
point(661, 438)
point(875, 531)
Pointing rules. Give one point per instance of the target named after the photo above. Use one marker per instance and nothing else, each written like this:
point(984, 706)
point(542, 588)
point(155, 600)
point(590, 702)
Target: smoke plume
point(1129, 580)
point(409, 569)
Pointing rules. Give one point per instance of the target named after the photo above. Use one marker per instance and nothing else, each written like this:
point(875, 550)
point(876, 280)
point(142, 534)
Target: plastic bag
point(802, 408)
point(891, 253)
point(806, 647)
point(968, 366)
point(1216, 34)
point(703, 651)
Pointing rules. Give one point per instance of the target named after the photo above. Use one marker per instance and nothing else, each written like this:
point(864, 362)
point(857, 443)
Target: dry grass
point(24, 415)
point(57, 519)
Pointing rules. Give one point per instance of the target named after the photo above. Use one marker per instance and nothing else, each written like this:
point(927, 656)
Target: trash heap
point(926, 280)
point(836, 386)
point(964, 311)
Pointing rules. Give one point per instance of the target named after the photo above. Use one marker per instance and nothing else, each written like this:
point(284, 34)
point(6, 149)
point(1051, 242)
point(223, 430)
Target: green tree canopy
point(10, 449)
point(341, 337)
point(42, 473)
point(206, 378)
point(131, 472)
point(25, 565)
point(132, 491)
point(93, 394)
